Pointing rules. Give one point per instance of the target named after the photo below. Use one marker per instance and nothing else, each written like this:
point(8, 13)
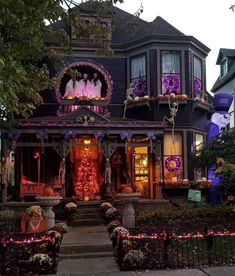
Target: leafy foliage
point(24, 25)
point(187, 219)
point(223, 147)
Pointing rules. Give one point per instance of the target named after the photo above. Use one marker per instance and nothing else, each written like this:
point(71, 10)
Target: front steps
point(87, 236)
point(86, 242)
point(87, 213)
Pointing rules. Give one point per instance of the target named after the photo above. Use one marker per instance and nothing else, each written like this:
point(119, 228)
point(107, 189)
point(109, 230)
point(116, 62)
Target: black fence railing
point(164, 251)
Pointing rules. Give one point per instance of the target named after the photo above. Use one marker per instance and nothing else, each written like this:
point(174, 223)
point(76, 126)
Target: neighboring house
point(85, 146)
point(226, 80)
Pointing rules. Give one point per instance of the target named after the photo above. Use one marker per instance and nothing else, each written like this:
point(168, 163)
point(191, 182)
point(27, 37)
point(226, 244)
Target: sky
point(209, 21)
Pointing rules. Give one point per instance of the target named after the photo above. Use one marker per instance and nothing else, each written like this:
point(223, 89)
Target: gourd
point(48, 191)
point(127, 190)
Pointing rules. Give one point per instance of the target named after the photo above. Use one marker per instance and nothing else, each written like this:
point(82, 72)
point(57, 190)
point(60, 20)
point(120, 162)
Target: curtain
point(197, 68)
point(170, 62)
point(138, 67)
point(173, 159)
point(169, 149)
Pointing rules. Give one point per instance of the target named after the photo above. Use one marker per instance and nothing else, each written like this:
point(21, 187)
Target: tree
point(221, 153)
point(222, 147)
point(24, 25)
point(86, 185)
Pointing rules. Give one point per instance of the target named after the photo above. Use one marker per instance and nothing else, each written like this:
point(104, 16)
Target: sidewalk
point(86, 236)
point(107, 267)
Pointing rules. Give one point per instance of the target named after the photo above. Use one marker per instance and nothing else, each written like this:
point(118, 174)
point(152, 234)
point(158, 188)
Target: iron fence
point(17, 249)
point(174, 251)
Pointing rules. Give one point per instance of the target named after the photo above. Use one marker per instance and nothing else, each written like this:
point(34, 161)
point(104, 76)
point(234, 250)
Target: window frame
point(145, 77)
point(197, 93)
point(224, 68)
point(179, 54)
point(180, 173)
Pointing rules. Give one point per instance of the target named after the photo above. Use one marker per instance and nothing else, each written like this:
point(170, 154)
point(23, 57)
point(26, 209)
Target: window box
point(201, 104)
point(164, 99)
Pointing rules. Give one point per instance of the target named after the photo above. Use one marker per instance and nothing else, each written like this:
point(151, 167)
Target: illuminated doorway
point(141, 170)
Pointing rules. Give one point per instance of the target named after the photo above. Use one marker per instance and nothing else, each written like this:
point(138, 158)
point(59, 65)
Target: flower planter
point(47, 202)
point(128, 213)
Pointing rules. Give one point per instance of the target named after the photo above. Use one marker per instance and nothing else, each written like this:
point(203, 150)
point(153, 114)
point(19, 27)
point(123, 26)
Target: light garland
point(6, 241)
point(182, 236)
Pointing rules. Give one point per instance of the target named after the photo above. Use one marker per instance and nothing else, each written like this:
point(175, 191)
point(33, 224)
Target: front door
point(141, 170)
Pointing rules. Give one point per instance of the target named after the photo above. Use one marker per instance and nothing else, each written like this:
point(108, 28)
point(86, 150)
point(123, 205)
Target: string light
point(5, 241)
point(175, 236)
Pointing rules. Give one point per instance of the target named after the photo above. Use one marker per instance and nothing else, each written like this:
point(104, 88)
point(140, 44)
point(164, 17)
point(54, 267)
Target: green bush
point(149, 217)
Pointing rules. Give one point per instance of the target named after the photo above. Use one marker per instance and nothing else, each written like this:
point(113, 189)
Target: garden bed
point(187, 220)
point(176, 238)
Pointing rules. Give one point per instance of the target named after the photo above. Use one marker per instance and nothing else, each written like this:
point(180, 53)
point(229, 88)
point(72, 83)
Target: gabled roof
point(220, 82)
point(225, 53)
point(124, 21)
point(81, 112)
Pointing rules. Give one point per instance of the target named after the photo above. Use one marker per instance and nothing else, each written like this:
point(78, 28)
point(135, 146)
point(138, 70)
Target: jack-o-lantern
point(127, 190)
point(48, 191)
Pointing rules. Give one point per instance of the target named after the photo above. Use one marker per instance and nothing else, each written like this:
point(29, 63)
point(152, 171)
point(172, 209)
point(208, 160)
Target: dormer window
point(223, 68)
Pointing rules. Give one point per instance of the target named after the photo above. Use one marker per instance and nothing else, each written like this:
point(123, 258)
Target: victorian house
point(131, 119)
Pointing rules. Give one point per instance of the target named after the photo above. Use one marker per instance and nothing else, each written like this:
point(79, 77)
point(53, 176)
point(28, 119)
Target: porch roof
point(94, 120)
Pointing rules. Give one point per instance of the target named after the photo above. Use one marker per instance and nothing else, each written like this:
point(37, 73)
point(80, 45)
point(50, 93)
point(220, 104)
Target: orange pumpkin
point(127, 190)
point(48, 191)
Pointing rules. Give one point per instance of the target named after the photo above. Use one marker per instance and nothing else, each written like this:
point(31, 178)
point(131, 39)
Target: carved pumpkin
point(48, 191)
point(127, 190)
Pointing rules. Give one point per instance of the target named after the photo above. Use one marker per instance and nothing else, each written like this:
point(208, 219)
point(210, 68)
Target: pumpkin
point(48, 191)
point(127, 190)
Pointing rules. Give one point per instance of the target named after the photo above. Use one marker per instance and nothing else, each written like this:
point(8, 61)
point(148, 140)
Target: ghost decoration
point(221, 118)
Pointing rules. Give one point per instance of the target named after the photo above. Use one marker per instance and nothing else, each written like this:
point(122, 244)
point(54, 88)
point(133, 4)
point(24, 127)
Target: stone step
point(90, 203)
point(79, 215)
point(86, 255)
point(88, 210)
point(69, 249)
point(78, 222)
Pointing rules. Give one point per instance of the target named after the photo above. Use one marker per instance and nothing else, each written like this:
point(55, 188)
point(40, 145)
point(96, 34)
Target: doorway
point(141, 170)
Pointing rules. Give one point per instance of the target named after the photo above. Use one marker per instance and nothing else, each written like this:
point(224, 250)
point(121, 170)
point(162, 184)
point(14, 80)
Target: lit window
point(173, 158)
point(199, 141)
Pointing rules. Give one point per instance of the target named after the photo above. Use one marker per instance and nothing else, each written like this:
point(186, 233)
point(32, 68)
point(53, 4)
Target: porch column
point(107, 150)
point(62, 149)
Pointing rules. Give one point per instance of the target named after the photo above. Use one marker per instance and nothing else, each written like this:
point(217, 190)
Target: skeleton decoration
point(107, 175)
point(173, 106)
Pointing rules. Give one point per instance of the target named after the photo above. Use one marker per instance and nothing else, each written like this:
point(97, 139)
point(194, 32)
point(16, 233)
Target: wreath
point(173, 164)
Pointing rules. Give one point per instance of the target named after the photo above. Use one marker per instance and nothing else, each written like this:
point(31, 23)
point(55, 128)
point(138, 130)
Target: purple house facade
point(132, 119)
